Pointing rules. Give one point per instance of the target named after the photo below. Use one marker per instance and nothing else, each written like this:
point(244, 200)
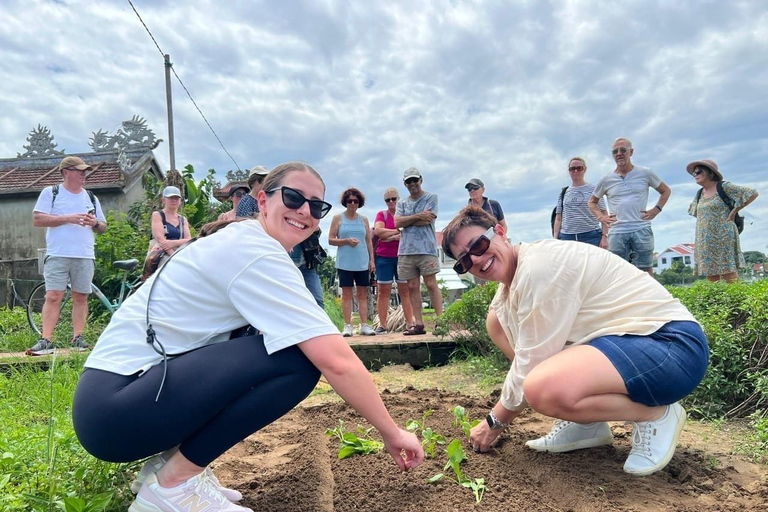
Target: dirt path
point(292, 466)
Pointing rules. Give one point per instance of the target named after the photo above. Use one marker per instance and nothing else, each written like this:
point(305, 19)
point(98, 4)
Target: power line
point(183, 86)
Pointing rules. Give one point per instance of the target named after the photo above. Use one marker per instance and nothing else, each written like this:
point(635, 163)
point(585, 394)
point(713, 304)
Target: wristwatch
point(96, 226)
point(494, 422)
point(658, 208)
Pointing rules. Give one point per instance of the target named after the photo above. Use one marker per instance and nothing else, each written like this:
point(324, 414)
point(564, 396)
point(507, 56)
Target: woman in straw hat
point(718, 251)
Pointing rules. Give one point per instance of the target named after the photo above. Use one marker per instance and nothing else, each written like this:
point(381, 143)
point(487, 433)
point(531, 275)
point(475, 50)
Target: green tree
point(327, 273)
point(753, 257)
point(677, 274)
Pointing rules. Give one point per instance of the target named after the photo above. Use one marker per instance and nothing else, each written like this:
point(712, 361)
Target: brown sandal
point(414, 330)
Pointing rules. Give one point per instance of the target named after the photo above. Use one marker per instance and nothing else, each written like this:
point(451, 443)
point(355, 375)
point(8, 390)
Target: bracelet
point(658, 208)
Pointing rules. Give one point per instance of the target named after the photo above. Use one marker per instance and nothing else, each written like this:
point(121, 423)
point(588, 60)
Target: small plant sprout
point(461, 419)
point(414, 425)
point(355, 443)
point(430, 440)
point(478, 487)
point(456, 456)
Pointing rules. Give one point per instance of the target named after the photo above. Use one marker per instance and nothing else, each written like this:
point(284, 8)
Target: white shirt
point(566, 294)
point(68, 240)
point(237, 276)
point(628, 197)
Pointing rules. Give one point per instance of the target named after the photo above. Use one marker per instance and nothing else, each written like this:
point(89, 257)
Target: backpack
point(314, 254)
point(55, 192)
point(165, 224)
point(554, 210)
point(739, 220)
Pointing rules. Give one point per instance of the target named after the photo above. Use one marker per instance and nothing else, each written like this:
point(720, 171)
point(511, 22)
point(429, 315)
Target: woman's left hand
point(406, 449)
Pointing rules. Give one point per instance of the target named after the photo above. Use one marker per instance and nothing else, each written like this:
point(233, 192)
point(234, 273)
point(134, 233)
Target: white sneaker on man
point(347, 332)
point(566, 436)
point(199, 493)
point(154, 464)
point(367, 330)
point(654, 442)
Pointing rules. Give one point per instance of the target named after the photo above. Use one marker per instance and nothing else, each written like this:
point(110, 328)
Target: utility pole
point(170, 109)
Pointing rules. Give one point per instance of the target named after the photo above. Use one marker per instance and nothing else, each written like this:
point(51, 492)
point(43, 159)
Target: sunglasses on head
point(576, 168)
point(390, 199)
point(411, 180)
point(621, 150)
point(293, 199)
point(477, 248)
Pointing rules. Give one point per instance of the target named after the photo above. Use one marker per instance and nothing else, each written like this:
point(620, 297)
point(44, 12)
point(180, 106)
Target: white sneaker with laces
point(154, 464)
point(347, 332)
point(654, 442)
point(199, 493)
point(367, 330)
point(566, 436)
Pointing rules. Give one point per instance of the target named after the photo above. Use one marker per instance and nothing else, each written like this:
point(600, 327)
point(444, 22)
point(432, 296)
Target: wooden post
point(170, 109)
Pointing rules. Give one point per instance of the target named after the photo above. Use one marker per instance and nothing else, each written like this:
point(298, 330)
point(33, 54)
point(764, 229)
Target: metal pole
point(170, 109)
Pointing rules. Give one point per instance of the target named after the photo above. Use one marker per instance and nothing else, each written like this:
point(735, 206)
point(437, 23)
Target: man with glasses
point(237, 191)
point(630, 235)
point(248, 206)
point(71, 215)
point(417, 255)
point(476, 189)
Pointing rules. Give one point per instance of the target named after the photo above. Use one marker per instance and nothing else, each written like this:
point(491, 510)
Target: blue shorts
point(589, 237)
point(635, 247)
point(662, 367)
point(386, 270)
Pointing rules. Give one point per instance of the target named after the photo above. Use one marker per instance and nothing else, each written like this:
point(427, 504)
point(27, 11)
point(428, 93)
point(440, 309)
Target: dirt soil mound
point(292, 466)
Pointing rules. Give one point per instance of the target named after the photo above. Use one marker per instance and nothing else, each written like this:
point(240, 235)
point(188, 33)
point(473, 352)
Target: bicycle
point(37, 299)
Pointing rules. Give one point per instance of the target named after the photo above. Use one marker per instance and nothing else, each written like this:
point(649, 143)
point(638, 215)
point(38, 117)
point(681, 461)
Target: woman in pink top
point(386, 260)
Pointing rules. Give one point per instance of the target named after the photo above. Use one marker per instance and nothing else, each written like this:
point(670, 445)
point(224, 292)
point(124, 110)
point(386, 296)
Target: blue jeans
point(590, 237)
point(312, 282)
point(662, 367)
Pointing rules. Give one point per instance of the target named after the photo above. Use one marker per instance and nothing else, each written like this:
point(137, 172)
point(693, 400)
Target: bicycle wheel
point(35, 313)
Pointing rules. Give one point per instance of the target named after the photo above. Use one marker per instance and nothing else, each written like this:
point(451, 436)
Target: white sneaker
point(654, 442)
point(566, 436)
point(154, 464)
point(347, 330)
point(367, 330)
point(199, 493)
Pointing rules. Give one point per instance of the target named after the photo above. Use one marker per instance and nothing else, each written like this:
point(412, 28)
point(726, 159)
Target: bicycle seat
point(126, 264)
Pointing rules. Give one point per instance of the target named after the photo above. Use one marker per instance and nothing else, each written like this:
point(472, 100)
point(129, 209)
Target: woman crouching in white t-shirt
point(591, 339)
point(168, 376)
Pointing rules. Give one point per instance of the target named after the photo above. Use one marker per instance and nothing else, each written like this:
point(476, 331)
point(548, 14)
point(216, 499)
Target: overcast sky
point(505, 91)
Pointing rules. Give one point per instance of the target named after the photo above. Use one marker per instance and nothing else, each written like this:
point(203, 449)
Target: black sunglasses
point(239, 193)
point(293, 199)
point(473, 188)
point(477, 248)
point(390, 199)
point(411, 180)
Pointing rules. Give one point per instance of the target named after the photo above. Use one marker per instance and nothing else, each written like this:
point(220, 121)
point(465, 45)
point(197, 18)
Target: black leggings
point(213, 398)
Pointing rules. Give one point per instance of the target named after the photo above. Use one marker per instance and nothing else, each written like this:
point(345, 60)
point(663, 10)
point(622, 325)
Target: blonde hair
point(580, 159)
point(391, 190)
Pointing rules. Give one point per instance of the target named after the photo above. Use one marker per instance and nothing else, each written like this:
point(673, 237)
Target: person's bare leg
point(346, 304)
point(382, 305)
point(405, 301)
point(79, 312)
point(713, 279)
point(362, 304)
point(414, 290)
point(648, 270)
point(51, 310)
point(582, 385)
point(177, 470)
point(731, 277)
point(435, 296)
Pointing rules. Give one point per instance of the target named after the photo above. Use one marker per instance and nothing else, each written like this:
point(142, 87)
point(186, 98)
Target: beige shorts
point(412, 266)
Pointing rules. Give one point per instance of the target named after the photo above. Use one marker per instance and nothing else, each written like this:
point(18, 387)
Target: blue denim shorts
point(662, 367)
point(589, 237)
point(386, 270)
point(635, 247)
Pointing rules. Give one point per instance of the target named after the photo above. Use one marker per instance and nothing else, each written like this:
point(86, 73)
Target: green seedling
point(414, 425)
point(430, 440)
point(478, 487)
point(355, 443)
point(461, 419)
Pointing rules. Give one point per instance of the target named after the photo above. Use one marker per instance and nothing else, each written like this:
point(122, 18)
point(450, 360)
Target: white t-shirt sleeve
point(99, 212)
point(543, 332)
point(599, 191)
point(653, 179)
point(271, 295)
point(43, 204)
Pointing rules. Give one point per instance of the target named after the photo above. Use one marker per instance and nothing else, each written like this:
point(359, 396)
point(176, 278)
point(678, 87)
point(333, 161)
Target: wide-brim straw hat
point(709, 164)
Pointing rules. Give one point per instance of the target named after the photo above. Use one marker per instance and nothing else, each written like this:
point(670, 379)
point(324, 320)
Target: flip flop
point(414, 330)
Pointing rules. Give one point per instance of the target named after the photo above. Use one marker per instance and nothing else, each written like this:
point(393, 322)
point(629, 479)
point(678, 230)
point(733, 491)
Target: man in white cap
point(417, 255)
point(476, 189)
point(248, 206)
point(71, 216)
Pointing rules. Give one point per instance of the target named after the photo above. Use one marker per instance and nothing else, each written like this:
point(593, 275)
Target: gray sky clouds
point(504, 91)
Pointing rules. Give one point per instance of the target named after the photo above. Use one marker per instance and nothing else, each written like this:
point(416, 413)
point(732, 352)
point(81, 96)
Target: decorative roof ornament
point(40, 144)
point(132, 134)
point(123, 161)
point(237, 176)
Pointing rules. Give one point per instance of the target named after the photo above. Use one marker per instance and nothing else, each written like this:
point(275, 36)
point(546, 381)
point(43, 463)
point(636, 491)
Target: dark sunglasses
point(293, 200)
point(473, 188)
point(617, 150)
point(239, 193)
point(697, 171)
point(477, 248)
point(576, 168)
point(411, 180)
point(390, 199)
point(353, 201)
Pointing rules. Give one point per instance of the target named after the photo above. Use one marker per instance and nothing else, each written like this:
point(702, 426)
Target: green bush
point(333, 309)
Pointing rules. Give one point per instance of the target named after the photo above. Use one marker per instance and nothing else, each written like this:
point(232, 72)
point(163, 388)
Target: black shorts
point(348, 278)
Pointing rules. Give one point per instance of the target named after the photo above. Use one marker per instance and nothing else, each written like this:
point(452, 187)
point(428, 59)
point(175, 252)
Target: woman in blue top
point(350, 232)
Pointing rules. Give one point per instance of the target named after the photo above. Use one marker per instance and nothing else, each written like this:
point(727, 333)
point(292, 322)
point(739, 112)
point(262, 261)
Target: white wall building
point(682, 252)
